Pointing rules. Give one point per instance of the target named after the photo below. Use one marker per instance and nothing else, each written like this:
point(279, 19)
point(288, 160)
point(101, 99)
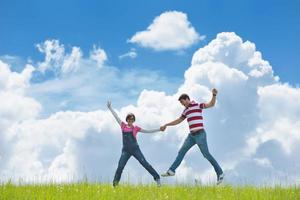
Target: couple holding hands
point(197, 135)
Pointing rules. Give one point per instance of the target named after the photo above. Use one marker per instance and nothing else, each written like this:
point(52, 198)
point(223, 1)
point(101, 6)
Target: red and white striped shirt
point(193, 113)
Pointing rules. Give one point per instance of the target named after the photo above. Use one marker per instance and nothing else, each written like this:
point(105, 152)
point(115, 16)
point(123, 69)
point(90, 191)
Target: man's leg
point(202, 144)
point(122, 162)
point(140, 157)
point(188, 143)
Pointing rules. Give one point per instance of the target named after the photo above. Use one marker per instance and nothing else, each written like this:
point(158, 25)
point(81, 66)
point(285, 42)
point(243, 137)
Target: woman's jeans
point(135, 151)
point(198, 138)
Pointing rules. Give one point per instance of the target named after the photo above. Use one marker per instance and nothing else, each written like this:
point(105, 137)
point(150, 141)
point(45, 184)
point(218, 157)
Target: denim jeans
point(200, 140)
point(136, 152)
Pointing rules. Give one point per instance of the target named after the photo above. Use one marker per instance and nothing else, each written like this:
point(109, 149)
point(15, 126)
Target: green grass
point(181, 192)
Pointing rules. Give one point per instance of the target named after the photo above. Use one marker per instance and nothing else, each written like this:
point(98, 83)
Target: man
point(197, 135)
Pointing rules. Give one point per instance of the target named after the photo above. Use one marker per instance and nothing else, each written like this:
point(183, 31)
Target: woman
point(131, 147)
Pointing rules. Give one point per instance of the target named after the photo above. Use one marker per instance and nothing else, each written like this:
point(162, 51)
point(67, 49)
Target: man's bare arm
point(213, 99)
point(173, 123)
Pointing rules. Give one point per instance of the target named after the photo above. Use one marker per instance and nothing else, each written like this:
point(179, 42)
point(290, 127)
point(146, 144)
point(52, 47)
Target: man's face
point(185, 102)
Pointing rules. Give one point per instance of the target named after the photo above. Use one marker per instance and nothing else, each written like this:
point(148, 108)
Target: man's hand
point(163, 128)
point(214, 92)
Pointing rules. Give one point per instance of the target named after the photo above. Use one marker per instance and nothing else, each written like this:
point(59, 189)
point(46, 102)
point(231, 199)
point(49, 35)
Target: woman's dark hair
point(184, 96)
point(129, 116)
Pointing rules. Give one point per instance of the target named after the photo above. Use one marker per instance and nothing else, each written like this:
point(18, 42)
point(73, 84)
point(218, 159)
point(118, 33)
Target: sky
point(61, 61)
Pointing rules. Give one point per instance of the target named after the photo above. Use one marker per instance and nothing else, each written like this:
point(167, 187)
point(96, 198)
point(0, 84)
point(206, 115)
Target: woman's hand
point(109, 104)
point(163, 128)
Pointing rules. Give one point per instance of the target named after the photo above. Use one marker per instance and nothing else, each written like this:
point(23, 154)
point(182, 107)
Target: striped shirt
point(193, 113)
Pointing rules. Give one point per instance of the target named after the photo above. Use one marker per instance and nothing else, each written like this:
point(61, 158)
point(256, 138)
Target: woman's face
point(130, 120)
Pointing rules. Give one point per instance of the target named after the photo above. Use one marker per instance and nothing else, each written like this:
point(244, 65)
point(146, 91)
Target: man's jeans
point(200, 140)
point(136, 152)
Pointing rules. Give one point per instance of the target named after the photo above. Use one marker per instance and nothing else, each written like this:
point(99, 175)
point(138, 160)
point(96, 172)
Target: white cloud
point(15, 105)
point(263, 162)
point(279, 112)
point(52, 153)
point(54, 54)
point(98, 55)
point(64, 166)
point(169, 31)
point(131, 54)
point(13, 81)
point(253, 107)
point(71, 62)
point(62, 63)
point(88, 84)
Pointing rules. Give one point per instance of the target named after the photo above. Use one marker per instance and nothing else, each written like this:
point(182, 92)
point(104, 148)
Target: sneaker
point(168, 173)
point(158, 182)
point(220, 178)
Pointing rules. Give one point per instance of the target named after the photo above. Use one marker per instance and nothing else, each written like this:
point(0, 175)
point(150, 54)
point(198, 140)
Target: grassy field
point(144, 192)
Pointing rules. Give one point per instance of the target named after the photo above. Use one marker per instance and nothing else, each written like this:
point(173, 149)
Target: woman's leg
point(122, 162)
point(140, 157)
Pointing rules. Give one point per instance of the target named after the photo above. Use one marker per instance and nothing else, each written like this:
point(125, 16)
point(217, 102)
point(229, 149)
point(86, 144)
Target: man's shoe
point(220, 178)
point(168, 173)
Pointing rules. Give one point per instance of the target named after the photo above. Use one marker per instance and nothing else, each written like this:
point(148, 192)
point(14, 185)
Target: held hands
point(163, 128)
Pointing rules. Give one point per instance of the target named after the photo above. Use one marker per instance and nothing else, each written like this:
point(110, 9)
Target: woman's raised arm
point(113, 112)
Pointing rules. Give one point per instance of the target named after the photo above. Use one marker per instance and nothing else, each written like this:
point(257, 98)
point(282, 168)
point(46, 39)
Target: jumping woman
point(131, 147)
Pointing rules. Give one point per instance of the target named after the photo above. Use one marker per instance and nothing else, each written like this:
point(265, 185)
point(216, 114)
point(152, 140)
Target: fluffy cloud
point(79, 82)
point(61, 63)
point(15, 105)
point(279, 113)
point(71, 62)
point(98, 55)
point(12, 81)
point(253, 108)
point(169, 31)
point(252, 131)
point(52, 152)
point(246, 117)
point(54, 54)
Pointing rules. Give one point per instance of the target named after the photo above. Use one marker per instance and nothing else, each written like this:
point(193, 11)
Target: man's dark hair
point(130, 115)
point(184, 96)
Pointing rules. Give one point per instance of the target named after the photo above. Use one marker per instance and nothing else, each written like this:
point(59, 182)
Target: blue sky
point(60, 61)
point(272, 25)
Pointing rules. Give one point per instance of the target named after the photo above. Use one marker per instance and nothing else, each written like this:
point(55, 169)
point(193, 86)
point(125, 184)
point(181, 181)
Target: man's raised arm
point(213, 99)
